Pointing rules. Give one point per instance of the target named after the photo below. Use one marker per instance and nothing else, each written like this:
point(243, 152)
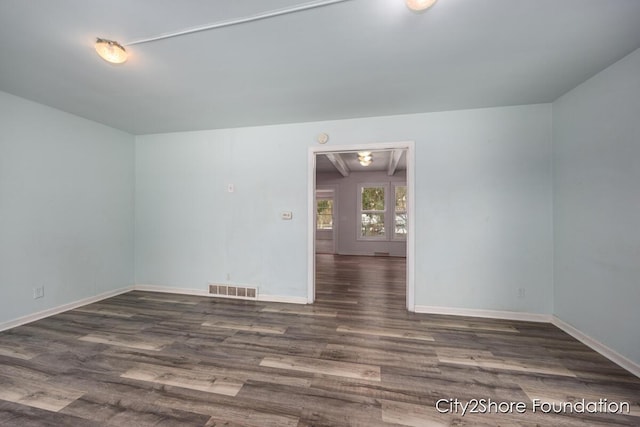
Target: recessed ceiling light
point(420, 5)
point(111, 51)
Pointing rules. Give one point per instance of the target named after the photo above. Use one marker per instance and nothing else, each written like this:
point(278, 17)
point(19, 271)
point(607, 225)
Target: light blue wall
point(483, 205)
point(191, 231)
point(596, 130)
point(66, 207)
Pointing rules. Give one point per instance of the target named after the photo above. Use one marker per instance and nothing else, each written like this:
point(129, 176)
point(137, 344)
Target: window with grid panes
point(372, 211)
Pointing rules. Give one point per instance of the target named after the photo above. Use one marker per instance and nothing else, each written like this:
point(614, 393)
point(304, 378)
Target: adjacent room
point(320, 213)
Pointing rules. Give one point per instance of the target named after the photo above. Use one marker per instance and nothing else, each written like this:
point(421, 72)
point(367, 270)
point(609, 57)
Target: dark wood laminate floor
point(356, 357)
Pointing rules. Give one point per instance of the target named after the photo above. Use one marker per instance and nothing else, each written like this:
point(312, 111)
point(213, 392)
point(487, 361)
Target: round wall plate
point(323, 138)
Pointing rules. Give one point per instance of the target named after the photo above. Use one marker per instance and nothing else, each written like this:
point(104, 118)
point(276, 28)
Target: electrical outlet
point(38, 292)
point(521, 293)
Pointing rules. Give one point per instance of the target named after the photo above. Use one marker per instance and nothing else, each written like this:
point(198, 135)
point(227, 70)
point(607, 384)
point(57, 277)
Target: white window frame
point(333, 215)
point(395, 185)
point(385, 186)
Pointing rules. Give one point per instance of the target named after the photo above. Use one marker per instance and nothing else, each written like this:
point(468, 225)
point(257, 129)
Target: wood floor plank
point(19, 351)
point(38, 394)
point(15, 414)
point(378, 357)
point(338, 302)
point(104, 311)
point(251, 327)
point(198, 402)
point(169, 300)
point(473, 325)
point(300, 311)
point(195, 380)
point(115, 410)
point(275, 344)
point(249, 418)
point(21, 370)
point(386, 332)
point(490, 361)
point(319, 407)
point(121, 340)
point(326, 367)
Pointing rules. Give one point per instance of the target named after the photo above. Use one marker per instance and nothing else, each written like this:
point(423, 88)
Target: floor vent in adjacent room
point(229, 291)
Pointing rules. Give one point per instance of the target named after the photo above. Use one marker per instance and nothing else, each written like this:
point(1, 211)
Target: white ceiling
point(353, 59)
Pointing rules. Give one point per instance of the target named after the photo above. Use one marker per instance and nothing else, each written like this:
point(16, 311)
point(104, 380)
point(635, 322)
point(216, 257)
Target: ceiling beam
point(394, 159)
point(339, 163)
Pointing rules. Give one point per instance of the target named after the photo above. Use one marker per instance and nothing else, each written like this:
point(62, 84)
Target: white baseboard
point(204, 292)
point(61, 308)
point(371, 254)
point(170, 290)
point(149, 288)
point(490, 314)
point(596, 345)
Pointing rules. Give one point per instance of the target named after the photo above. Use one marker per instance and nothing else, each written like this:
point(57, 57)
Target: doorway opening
point(376, 211)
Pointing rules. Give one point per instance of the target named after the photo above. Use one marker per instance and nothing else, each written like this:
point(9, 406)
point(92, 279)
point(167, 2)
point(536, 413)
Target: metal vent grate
point(229, 291)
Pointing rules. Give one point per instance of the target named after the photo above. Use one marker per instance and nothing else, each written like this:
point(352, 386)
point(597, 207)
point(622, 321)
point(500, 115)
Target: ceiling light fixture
point(420, 5)
point(365, 158)
point(111, 51)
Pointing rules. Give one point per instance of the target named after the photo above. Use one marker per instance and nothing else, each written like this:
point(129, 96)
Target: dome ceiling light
point(420, 5)
point(111, 51)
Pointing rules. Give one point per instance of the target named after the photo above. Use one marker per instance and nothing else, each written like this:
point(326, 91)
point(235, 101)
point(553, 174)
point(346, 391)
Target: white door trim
point(311, 188)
